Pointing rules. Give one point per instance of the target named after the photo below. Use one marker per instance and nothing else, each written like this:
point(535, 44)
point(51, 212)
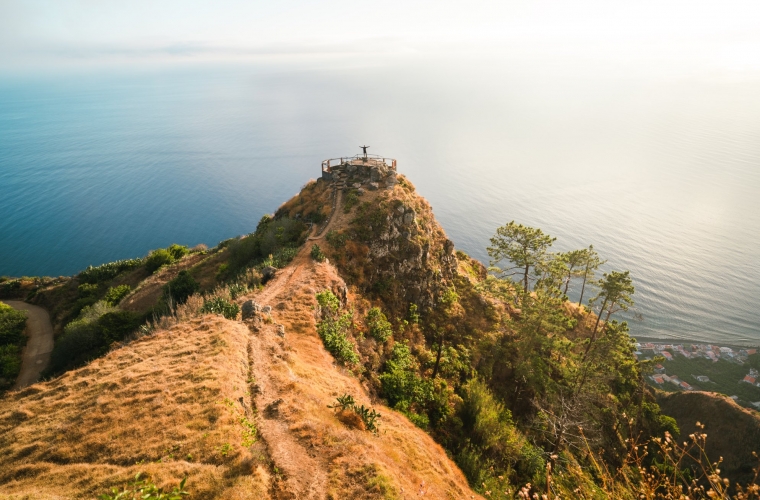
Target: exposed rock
point(250, 309)
point(268, 273)
point(409, 217)
point(448, 247)
point(266, 309)
point(374, 186)
point(357, 185)
point(280, 330)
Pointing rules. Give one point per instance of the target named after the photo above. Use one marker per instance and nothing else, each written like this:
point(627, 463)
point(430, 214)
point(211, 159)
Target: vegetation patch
point(221, 306)
point(334, 327)
point(106, 272)
point(12, 340)
point(368, 416)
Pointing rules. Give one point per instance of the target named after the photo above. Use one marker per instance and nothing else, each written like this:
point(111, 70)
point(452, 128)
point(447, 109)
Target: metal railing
point(327, 165)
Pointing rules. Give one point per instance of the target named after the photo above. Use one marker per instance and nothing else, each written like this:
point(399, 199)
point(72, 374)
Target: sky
point(718, 35)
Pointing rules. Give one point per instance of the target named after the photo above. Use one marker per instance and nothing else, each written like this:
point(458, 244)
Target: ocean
point(660, 173)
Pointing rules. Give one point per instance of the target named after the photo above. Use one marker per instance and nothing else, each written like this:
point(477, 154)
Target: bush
point(317, 254)
point(115, 326)
point(12, 323)
point(158, 258)
point(177, 251)
point(275, 238)
point(181, 288)
point(333, 328)
point(352, 199)
point(10, 361)
point(86, 290)
point(219, 305)
point(91, 334)
point(237, 289)
point(108, 271)
point(336, 240)
point(115, 294)
point(379, 327)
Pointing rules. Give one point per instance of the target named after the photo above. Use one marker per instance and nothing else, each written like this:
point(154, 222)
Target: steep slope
point(296, 379)
point(733, 432)
point(181, 402)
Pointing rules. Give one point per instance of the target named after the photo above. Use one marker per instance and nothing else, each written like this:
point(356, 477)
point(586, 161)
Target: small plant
point(352, 199)
point(219, 305)
point(181, 287)
point(237, 289)
point(115, 294)
point(142, 489)
point(344, 402)
point(379, 326)
point(317, 253)
point(86, 290)
point(157, 259)
point(224, 449)
point(368, 415)
point(336, 240)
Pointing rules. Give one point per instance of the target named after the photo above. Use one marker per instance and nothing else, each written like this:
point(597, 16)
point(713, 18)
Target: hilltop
point(258, 368)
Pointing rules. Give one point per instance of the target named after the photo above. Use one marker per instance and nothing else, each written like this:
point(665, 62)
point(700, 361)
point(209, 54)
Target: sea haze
point(661, 175)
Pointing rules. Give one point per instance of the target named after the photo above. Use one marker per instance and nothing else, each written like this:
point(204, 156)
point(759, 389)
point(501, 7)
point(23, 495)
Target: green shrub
point(333, 328)
point(317, 254)
point(379, 327)
point(86, 290)
point(368, 415)
point(352, 199)
point(277, 238)
point(115, 294)
point(177, 251)
point(328, 302)
point(10, 361)
point(336, 240)
point(106, 272)
point(181, 288)
point(219, 305)
point(158, 258)
point(142, 489)
point(12, 323)
point(237, 289)
point(115, 326)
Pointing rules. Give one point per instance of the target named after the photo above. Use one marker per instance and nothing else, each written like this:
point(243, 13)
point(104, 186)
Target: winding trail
point(36, 355)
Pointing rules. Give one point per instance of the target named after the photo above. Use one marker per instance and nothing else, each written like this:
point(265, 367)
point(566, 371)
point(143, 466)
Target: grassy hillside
point(353, 303)
point(168, 406)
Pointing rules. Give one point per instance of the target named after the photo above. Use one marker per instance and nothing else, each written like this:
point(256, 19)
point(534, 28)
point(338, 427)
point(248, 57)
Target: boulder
point(409, 217)
point(268, 273)
point(374, 186)
point(280, 330)
point(250, 309)
point(266, 309)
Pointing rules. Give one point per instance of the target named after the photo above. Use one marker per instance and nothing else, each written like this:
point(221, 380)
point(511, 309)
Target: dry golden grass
point(167, 405)
point(320, 455)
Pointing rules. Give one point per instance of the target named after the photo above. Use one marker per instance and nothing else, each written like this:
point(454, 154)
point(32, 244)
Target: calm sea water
point(662, 176)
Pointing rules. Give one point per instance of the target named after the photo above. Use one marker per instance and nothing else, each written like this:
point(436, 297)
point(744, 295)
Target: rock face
point(250, 309)
point(356, 173)
point(408, 257)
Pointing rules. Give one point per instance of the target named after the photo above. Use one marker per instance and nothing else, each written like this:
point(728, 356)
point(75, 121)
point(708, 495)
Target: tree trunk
point(583, 288)
point(567, 281)
point(438, 357)
point(525, 279)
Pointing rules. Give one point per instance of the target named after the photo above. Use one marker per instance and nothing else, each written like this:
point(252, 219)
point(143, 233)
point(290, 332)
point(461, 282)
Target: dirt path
point(333, 216)
point(36, 355)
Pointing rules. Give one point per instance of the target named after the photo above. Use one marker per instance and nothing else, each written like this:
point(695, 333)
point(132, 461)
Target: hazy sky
point(720, 34)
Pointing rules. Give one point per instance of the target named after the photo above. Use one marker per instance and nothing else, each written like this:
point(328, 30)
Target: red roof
point(749, 379)
point(751, 351)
